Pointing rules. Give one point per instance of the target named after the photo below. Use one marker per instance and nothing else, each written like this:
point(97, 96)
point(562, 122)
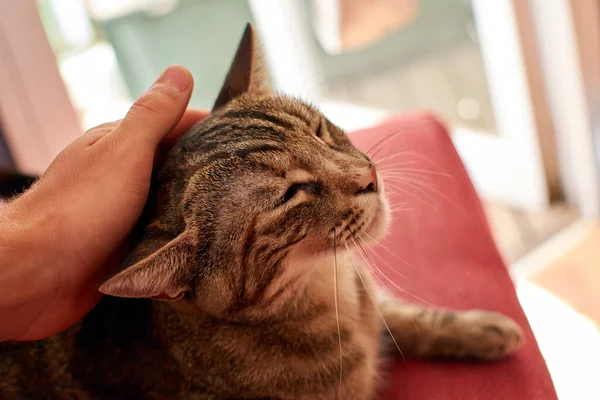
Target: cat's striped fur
point(244, 239)
point(13, 183)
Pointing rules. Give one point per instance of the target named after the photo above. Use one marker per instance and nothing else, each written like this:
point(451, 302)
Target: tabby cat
point(241, 284)
point(13, 183)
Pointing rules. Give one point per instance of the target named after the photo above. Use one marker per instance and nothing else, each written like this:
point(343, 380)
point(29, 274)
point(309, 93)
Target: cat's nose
point(367, 181)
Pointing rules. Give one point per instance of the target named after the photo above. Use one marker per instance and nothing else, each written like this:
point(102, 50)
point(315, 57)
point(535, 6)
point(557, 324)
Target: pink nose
point(367, 182)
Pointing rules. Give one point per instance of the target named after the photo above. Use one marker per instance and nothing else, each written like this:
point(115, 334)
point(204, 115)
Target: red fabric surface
point(449, 259)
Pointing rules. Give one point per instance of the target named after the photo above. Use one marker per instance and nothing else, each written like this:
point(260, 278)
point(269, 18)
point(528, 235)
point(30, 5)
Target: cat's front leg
point(433, 332)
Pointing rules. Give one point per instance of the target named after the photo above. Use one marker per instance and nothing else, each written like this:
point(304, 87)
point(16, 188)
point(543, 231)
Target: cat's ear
point(156, 276)
point(247, 73)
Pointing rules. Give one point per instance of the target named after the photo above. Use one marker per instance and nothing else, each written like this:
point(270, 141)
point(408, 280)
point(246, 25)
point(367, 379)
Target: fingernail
point(176, 77)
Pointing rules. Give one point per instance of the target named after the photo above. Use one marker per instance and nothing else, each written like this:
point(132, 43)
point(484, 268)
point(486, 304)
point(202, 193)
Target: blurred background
point(516, 81)
point(360, 60)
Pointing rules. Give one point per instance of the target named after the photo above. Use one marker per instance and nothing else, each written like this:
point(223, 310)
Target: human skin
point(61, 238)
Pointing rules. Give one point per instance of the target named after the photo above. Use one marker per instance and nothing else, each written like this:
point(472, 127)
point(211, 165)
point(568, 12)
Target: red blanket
point(442, 245)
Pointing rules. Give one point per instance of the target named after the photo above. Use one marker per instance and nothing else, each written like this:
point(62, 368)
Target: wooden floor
point(518, 233)
point(575, 277)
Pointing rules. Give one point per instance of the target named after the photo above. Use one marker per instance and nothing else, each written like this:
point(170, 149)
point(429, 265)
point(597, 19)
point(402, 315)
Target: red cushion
point(450, 260)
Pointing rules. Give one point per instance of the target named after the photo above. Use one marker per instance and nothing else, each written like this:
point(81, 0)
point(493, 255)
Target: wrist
point(23, 272)
point(19, 234)
point(11, 240)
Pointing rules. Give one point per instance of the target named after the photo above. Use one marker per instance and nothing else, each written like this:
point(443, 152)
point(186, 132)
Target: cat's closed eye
point(294, 189)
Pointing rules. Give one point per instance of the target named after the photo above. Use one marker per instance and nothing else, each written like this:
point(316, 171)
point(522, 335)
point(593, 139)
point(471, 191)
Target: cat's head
point(250, 200)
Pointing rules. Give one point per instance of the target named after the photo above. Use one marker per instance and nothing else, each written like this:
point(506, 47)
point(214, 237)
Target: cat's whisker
point(423, 186)
point(400, 207)
point(391, 185)
point(412, 153)
point(384, 261)
point(374, 268)
point(434, 192)
point(383, 162)
point(379, 145)
point(382, 283)
point(411, 184)
point(419, 171)
point(401, 174)
point(394, 155)
point(363, 241)
point(403, 129)
point(390, 252)
point(337, 313)
point(373, 300)
point(374, 275)
point(394, 213)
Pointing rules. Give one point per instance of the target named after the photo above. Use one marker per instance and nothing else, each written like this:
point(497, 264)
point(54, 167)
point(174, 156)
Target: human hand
point(60, 239)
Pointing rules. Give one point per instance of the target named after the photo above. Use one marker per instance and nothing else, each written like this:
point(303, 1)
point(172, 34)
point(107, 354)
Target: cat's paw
point(490, 335)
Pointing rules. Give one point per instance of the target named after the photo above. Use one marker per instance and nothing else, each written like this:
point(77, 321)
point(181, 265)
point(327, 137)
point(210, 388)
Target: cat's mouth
point(361, 226)
point(350, 229)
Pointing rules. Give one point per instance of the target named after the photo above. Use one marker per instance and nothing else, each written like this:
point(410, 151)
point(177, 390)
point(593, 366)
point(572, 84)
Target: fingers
point(157, 112)
point(188, 120)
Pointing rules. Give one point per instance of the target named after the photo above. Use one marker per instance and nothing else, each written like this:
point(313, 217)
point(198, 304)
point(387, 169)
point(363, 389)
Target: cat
point(241, 283)
point(13, 183)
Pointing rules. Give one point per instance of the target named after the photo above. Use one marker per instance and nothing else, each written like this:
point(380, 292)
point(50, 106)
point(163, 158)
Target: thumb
point(157, 111)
